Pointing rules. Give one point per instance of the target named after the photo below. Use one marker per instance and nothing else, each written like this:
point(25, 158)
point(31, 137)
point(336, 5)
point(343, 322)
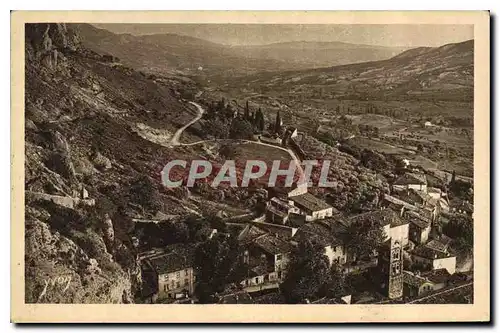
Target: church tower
point(390, 264)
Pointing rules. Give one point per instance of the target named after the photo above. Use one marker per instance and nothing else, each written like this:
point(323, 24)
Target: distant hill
point(319, 54)
point(170, 52)
point(432, 73)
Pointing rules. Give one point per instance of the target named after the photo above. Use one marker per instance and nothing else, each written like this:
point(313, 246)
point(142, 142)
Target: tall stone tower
point(390, 264)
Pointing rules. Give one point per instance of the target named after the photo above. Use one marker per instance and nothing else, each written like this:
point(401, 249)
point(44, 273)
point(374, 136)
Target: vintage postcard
point(250, 167)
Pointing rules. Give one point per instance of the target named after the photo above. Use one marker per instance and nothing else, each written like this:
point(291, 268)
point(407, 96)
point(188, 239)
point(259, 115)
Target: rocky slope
point(83, 156)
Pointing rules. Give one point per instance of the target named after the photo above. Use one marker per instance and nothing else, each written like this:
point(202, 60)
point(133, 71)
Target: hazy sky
point(411, 35)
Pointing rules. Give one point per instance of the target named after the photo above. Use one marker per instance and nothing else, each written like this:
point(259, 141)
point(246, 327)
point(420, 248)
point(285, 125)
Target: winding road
point(175, 139)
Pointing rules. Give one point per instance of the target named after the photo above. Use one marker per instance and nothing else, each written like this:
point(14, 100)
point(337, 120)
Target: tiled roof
point(282, 231)
point(176, 257)
point(438, 275)
point(417, 219)
point(411, 179)
point(440, 244)
point(398, 202)
point(309, 201)
point(426, 252)
point(318, 232)
point(250, 233)
point(272, 245)
point(381, 216)
point(413, 279)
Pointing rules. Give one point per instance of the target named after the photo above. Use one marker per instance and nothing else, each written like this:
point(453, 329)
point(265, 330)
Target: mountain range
point(170, 52)
point(432, 73)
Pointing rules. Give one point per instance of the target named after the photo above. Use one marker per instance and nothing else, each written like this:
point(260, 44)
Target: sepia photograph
point(199, 164)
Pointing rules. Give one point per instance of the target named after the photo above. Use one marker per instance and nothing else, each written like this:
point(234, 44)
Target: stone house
point(415, 285)
point(409, 181)
point(327, 233)
point(391, 223)
point(278, 210)
point(432, 259)
point(171, 272)
point(266, 256)
point(420, 227)
point(312, 207)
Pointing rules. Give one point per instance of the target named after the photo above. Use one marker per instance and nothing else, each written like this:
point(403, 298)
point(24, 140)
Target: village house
point(312, 207)
point(439, 278)
point(409, 180)
point(420, 227)
point(278, 210)
point(171, 270)
point(281, 231)
point(266, 256)
point(327, 233)
point(391, 223)
point(415, 285)
point(411, 200)
point(432, 259)
point(397, 204)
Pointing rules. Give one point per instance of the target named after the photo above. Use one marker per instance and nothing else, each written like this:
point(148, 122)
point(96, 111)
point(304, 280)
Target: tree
point(308, 274)
point(143, 192)
point(218, 128)
point(337, 285)
point(240, 129)
point(259, 120)
point(247, 111)
point(216, 265)
point(461, 228)
point(461, 189)
point(278, 122)
point(363, 236)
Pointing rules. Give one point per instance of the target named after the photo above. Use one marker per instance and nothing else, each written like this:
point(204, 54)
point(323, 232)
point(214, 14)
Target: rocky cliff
point(81, 155)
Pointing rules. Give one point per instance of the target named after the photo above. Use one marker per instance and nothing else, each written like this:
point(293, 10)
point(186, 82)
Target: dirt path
point(175, 139)
point(177, 135)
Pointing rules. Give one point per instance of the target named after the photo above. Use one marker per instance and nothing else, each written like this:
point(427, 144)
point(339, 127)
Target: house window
point(178, 284)
point(279, 274)
point(278, 257)
point(256, 280)
point(334, 249)
point(186, 272)
point(178, 274)
point(186, 282)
